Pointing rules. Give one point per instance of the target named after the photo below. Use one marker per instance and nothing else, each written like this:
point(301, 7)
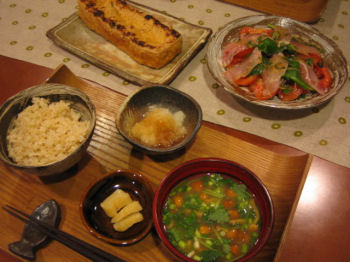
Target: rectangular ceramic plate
point(74, 36)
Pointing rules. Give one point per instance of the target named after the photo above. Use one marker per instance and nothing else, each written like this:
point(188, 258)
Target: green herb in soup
point(211, 218)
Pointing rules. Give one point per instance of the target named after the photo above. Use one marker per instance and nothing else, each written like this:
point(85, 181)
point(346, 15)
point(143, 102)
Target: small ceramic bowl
point(80, 102)
point(136, 105)
point(228, 169)
point(332, 56)
point(99, 224)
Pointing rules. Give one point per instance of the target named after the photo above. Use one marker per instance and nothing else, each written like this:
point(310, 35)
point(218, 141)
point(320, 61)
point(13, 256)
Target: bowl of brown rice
point(46, 129)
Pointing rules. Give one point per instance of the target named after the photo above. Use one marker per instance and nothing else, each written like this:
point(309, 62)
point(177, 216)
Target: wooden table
point(310, 194)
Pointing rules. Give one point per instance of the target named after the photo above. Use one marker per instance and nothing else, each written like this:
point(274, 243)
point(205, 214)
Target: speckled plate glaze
point(74, 36)
point(333, 58)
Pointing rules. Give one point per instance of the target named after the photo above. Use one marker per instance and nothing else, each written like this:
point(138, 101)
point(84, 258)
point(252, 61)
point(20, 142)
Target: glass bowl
point(332, 56)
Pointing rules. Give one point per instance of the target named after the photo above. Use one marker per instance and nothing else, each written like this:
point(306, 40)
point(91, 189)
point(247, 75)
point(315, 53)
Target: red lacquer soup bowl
point(194, 170)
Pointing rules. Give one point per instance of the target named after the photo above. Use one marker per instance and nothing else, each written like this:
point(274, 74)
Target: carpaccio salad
point(269, 61)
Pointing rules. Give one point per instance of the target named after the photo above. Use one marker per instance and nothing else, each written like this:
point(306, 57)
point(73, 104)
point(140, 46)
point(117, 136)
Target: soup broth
point(211, 218)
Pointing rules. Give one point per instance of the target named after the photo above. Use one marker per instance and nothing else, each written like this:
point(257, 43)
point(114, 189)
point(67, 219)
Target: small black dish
point(98, 223)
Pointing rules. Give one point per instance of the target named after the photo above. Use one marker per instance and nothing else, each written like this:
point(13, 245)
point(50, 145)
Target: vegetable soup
point(211, 218)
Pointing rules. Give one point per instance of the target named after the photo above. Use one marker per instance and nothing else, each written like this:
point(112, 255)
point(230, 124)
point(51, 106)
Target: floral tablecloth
point(322, 131)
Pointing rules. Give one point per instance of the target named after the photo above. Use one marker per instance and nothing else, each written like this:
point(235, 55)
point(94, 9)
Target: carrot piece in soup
point(178, 200)
point(204, 196)
point(253, 227)
point(230, 193)
point(244, 237)
point(232, 234)
point(235, 249)
point(197, 186)
point(233, 214)
point(229, 204)
point(204, 229)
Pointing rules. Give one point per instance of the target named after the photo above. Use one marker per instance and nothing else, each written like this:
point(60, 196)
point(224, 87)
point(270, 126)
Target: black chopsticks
point(85, 249)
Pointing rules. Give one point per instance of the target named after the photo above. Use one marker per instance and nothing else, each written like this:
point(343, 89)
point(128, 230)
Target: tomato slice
point(239, 57)
point(315, 58)
point(260, 91)
point(321, 71)
point(293, 94)
point(252, 30)
point(246, 81)
point(326, 81)
point(324, 75)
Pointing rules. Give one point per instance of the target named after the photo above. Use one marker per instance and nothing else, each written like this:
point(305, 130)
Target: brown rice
point(45, 132)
